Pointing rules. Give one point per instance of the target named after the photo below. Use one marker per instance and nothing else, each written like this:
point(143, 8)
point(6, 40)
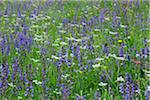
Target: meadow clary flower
point(97, 95)
point(105, 49)
point(127, 57)
point(65, 92)
point(2, 45)
point(80, 97)
point(102, 15)
point(127, 90)
point(147, 93)
point(121, 52)
point(121, 88)
point(8, 49)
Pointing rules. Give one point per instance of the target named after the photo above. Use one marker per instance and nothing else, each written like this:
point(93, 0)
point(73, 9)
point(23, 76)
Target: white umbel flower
point(102, 84)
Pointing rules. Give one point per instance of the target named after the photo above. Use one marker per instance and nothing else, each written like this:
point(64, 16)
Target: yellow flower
point(120, 41)
point(80, 72)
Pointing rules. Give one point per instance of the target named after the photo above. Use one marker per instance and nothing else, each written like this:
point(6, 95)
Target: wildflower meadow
point(74, 50)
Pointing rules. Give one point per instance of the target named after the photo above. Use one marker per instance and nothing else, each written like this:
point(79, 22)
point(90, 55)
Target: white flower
point(102, 84)
point(148, 88)
point(56, 92)
point(129, 37)
point(107, 18)
point(53, 21)
point(78, 40)
point(137, 91)
point(113, 33)
point(55, 57)
point(11, 85)
point(148, 75)
point(96, 65)
point(59, 27)
point(137, 55)
point(63, 43)
point(148, 40)
point(71, 55)
point(120, 58)
point(112, 55)
point(95, 35)
point(37, 82)
point(19, 97)
point(146, 71)
point(84, 47)
point(55, 45)
point(14, 15)
point(71, 38)
point(120, 79)
point(84, 38)
point(118, 17)
point(99, 59)
point(34, 60)
point(123, 26)
point(97, 30)
point(62, 31)
point(74, 25)
point(38, 36)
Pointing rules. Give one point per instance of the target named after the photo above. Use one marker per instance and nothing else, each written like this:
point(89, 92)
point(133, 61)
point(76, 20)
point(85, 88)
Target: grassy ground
point(74, 50)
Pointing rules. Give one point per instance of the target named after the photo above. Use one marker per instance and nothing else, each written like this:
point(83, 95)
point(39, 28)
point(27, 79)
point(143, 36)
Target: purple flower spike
point(147, 94)
point(121, 52)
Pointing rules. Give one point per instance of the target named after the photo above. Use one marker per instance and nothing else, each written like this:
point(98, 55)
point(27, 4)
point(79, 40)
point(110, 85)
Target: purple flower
point(128, 77)
point(121, 88)
point(121, 52)
point(80, 98)
point(105, 49)
point(114, 19)
point(147, 94)
point(24, 6)
point(127, 57)
point(102, 15)
point(78, 55)
point(8, 49)
point(137, 3)
point(127, 89)
point(130, 4)
point(19, 12)
point(4, 76)
point(90, 62)
point(69, 62)
point(132, 89)
point(43, 51)
point(65, 92)
point(97, 95)
point(21, 76)
point(15, 67)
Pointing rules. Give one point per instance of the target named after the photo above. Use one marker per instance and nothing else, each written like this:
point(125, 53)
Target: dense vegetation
point(74, 50)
